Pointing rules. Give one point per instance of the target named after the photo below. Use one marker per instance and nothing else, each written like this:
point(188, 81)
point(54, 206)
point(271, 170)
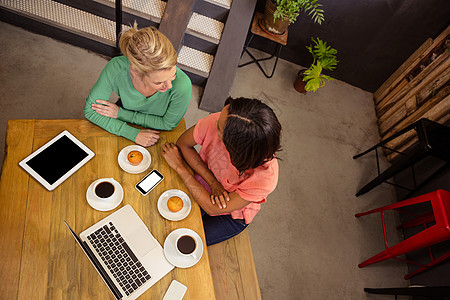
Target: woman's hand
point(219, 194)
point(172, 156)
point(106, 108)
point(147, 137)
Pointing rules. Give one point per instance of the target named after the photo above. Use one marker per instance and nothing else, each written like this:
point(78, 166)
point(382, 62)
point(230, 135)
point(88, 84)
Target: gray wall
point(373, 37)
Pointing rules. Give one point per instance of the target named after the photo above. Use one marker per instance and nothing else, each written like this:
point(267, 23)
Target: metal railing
point(118, 24)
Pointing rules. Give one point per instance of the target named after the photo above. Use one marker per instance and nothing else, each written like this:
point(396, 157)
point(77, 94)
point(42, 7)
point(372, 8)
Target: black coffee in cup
point(104, 189)
point(186, 244)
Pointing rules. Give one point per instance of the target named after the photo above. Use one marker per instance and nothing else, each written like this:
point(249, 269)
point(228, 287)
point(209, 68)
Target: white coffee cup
point(104, 189)
point(186, 245)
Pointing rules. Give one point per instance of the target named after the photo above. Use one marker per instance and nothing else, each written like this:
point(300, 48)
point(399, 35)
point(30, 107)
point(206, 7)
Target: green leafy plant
point(291, 9)
point(324, 59)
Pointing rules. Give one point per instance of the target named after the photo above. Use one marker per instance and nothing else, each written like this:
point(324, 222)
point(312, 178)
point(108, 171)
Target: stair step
point(150, 9)
point(199, 25)
point(223, 3)
point(205, 28)
point(195, 61)
point(66, 17)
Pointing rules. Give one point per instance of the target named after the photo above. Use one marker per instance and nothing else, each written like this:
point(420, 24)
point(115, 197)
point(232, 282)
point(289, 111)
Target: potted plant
point(324, 58)
point(278, 14)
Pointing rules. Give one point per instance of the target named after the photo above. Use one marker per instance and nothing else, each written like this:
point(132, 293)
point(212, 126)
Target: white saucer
point(174, 216)
point(103, 205)
point(129, 168)
point(174, 257)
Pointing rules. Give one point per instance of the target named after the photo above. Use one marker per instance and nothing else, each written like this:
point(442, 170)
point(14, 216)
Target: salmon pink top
point(254, 185)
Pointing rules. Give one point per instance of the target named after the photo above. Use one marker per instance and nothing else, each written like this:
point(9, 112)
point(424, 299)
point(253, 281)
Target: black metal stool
point(280, 40)
point(434, 140)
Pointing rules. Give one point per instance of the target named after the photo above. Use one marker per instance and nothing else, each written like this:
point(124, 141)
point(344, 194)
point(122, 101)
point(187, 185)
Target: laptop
point(126, 255)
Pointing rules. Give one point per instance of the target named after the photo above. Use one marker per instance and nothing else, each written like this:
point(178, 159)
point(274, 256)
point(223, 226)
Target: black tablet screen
point(57, 159)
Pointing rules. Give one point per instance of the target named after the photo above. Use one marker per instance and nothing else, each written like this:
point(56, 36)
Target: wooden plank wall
point(420, 88)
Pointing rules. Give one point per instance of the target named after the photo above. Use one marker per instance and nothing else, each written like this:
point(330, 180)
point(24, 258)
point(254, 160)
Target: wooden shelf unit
point(420, 88)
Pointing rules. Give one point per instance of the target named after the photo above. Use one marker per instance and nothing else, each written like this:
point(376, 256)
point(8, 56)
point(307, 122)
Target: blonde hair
point(147, 49)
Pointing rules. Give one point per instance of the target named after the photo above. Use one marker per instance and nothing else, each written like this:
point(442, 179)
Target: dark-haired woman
point(236, 168)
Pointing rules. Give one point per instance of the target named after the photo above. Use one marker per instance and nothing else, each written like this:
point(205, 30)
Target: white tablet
point(54, 162)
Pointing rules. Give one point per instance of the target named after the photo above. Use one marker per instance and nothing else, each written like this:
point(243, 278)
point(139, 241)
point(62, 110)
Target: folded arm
point(102, 90)
point(175, 111)
point(220, 203)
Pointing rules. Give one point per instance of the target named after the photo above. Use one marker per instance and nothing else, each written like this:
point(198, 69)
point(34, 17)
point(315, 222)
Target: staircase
point(208, 34)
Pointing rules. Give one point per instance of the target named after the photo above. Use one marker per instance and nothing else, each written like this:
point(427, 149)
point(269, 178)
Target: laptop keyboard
point(118, 257)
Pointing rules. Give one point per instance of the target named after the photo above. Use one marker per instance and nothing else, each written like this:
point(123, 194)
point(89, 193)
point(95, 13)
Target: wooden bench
point(233, 269)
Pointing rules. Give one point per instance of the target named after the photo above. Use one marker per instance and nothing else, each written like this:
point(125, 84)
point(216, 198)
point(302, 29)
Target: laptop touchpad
point(142, 240)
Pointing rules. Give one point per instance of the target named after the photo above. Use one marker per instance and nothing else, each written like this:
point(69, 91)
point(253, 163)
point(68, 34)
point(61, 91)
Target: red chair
point(439, 232)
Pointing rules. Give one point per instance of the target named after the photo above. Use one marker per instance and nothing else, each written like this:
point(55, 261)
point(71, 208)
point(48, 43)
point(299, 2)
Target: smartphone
point(149, 182)
point(175, 291)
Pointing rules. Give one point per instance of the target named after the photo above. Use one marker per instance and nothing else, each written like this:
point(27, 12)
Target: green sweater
point(161, 111)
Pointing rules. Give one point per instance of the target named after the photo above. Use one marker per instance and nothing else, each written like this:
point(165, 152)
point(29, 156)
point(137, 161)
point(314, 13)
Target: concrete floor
point(306, 241)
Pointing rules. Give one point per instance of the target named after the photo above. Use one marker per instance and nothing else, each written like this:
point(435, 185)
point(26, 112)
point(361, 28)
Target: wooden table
point(39, 257)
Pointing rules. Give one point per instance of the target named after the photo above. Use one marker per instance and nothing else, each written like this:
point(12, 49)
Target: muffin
point(135, 157)
point(175, 204)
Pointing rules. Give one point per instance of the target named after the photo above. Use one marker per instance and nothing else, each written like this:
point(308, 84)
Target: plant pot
point(278, 26)
point(299, 84)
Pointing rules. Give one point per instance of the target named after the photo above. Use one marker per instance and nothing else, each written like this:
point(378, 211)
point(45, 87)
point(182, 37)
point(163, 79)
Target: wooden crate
point(420, 88)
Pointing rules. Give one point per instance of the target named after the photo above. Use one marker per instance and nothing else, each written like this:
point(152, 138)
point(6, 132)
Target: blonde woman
point(153, 92)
